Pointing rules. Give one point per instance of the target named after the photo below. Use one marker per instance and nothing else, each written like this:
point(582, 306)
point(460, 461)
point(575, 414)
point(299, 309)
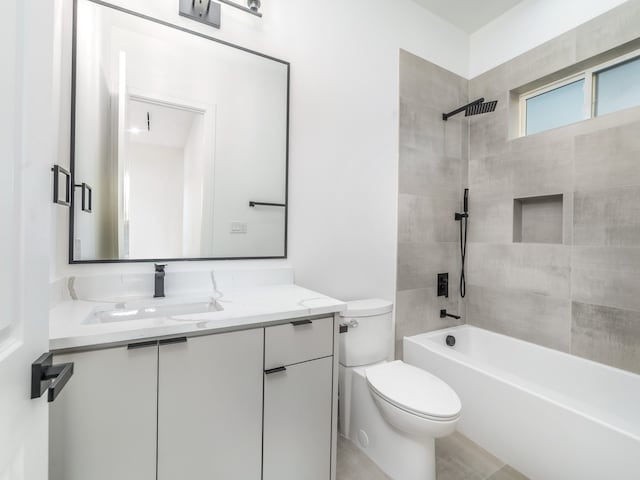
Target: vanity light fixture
point(253, 6)
point(209, 11)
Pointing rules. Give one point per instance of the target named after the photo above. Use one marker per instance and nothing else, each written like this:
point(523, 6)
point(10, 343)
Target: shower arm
point(446, 116)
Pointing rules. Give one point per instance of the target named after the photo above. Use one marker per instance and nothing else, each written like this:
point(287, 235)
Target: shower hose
point(464, 230)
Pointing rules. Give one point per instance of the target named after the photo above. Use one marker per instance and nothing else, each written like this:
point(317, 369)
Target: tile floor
point(457, 458)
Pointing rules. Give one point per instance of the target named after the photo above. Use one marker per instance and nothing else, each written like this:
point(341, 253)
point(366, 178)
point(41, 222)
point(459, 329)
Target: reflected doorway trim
point(73, 135)
point(208, 112)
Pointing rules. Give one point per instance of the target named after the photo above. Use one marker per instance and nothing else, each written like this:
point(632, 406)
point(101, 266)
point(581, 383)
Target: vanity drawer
point(298, 341)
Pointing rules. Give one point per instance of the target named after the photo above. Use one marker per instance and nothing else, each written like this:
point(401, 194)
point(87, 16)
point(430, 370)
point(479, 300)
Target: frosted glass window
point(618, 87)
point(555, 108)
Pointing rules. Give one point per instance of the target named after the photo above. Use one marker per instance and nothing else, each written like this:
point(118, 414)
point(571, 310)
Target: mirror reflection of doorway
point(164, 170)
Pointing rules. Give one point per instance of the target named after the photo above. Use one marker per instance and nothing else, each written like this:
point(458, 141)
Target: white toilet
point(391, 410)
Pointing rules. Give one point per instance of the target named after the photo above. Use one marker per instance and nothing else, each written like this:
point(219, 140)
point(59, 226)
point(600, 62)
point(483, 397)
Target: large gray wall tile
point(489, 133)
point(543, 168)
point(613, 28)
point(493, 173)
point(607, 335)
point(420, 263)
point(422, 173)
point(424, 82)
point(535, 318)
point(607, 217)
point(491, 217)
point(491, 85)
point(428, 218)
point(537, 269)
point(608, 158)
point(422, 128)
point(607, 276)
point(567, 201)
point(543, 60)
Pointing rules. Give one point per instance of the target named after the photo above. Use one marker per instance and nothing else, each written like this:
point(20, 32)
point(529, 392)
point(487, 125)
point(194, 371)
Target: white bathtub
point(550, 415)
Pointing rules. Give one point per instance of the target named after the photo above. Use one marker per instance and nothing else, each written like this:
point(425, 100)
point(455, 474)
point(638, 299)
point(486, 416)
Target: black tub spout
point(444, 314)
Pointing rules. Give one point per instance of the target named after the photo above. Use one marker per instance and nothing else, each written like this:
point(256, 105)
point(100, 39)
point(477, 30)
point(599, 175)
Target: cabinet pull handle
point(134, 346)
point(171, 341)
point(275, 370)
point(298, 323)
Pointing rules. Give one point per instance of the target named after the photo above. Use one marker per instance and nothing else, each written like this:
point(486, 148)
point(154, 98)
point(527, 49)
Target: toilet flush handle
point(353, 323)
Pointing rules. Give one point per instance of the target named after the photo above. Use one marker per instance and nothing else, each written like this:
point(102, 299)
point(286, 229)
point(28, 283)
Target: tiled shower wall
point(432, 166)
point(582, 295)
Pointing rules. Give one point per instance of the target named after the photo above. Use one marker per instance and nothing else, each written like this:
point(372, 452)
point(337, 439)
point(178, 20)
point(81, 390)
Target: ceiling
point(469, 15)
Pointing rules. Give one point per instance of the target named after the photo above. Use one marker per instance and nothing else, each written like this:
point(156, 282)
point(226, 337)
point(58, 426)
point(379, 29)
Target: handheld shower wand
point(465, 203)
point(463, 218)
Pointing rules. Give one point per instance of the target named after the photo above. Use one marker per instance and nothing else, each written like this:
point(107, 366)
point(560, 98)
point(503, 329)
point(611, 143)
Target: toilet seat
point(414, 391)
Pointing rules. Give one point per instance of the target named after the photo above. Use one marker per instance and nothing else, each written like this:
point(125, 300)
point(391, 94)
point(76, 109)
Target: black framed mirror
point(182, 138)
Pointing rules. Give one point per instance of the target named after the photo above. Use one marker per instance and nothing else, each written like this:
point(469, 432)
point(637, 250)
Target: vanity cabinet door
point(210, 407)
point(103, 425)
point(297, 421)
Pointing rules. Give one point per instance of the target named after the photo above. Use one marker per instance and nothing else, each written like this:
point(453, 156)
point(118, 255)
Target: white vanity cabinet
point(210, 407)
point(255, 404)
point(298, 400)
point(103, 425)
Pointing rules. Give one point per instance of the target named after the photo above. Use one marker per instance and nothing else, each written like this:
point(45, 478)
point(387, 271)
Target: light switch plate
point(238, 227)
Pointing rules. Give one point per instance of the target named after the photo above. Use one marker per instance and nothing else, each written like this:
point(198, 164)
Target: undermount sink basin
point(151, 308)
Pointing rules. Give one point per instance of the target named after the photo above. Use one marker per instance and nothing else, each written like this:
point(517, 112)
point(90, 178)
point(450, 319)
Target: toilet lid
point(414, 390)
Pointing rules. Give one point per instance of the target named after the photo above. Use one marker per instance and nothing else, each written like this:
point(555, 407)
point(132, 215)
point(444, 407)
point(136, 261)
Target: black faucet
point(159, 281)
point(444, 314)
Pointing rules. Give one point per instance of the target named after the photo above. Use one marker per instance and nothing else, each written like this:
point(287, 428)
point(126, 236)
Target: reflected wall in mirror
point(176, 134)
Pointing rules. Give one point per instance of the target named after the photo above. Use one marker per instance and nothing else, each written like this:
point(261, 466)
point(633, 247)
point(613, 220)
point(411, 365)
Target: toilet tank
point(369, 337)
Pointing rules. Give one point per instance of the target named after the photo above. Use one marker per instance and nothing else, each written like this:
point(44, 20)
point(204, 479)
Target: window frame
point(589, 76)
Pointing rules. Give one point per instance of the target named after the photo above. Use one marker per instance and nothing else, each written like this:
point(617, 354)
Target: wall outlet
point(238, 227)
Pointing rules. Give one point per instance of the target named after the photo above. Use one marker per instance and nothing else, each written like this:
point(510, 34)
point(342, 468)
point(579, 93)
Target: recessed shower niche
point(538, 219)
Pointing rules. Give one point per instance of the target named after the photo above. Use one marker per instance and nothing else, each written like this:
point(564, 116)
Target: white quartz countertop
point(242, 308)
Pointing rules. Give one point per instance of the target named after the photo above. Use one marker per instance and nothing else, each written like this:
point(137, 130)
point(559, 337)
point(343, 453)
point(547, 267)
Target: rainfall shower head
point(474, 108)
point(480, 107)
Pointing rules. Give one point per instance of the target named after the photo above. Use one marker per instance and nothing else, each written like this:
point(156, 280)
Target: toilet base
point(400, 456)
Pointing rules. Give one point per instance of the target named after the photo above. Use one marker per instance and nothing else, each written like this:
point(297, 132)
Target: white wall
point(344, 128)
point(527, 25)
